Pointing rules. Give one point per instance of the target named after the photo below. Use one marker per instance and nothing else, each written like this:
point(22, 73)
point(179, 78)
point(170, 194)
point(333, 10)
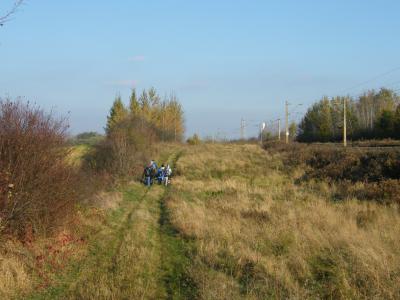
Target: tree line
point(373, 115)
point(149, 110)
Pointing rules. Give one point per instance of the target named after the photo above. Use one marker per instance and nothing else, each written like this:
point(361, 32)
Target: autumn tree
point(134, 106)
point(144, 105)
point(118, 113)
point(149, 110)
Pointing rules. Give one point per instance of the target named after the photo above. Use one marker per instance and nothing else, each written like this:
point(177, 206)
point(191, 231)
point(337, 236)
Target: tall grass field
point(237, 222)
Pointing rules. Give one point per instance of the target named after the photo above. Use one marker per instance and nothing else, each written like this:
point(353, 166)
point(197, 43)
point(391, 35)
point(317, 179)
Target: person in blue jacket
point(161, 174)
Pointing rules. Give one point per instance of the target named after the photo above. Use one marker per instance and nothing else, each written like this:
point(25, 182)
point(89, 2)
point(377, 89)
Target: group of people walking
point(152, 173)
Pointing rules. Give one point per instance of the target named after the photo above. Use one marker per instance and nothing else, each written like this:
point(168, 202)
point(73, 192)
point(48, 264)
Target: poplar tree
point(145, 105)
point(155, 114)
point(134, 106)
point(118, 113)
point(174, 113)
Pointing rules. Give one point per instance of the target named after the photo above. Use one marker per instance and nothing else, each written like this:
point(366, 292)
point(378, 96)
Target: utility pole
point(287, 121)
point(344, 123)
point(262, 128)
point(242, 129)
point(279, 129)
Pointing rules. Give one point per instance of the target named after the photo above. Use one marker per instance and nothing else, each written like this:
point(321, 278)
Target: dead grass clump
point(106, 200)
point(259, 216)
point(14, 274)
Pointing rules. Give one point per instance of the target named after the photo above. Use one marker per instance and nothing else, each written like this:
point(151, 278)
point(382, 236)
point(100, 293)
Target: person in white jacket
point(167, 174)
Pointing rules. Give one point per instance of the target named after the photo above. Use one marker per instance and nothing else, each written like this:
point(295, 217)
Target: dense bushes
point(125, 149)
point(37, 187)
point(378, 170)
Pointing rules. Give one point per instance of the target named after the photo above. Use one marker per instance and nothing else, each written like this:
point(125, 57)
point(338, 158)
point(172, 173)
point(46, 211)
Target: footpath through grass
point(135, 253)
point(176, 254)
point(235, 225)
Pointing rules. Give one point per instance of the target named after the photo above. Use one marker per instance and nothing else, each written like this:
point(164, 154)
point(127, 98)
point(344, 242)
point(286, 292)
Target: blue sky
point(224, 59)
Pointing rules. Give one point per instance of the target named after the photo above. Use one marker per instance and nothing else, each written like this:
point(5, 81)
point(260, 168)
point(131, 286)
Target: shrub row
point(38, 188)
point(378, 169)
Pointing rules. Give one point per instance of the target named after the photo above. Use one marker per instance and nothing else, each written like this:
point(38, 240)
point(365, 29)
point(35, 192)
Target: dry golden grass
point(76, 154)
point(258, 235)
point(14, 274)
point(125, 255)
point(111, 249)
point(249, 230)
point(106, 200)
point(32, 265)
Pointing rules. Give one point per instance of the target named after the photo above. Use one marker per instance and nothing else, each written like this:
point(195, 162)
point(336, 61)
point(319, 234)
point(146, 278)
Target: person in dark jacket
point(147, 176)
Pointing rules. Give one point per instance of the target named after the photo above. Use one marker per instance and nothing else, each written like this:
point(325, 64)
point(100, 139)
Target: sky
point(224, 59)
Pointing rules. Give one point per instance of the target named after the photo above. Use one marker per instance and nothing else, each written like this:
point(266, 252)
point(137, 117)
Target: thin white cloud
point(137, 58)
point(123, 83)
point(194, 85)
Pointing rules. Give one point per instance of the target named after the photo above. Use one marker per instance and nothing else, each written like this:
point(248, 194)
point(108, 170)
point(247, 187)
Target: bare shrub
point(194, 140)
point(125, 148)
point(377, 170)
point(37, 187)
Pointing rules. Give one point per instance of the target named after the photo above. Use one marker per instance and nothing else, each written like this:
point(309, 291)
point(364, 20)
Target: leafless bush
point(378, 170)
point(127, 146)
point(37, 188)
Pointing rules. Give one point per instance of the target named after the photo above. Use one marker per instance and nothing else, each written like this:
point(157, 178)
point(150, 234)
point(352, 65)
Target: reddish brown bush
point(37, 188)
point(377, 168)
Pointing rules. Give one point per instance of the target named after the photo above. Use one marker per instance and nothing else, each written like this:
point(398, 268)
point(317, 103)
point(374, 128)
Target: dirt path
point(136, 254)
point(175, 254)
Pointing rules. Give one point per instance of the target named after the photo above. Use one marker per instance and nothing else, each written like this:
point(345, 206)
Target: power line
point(370, 80)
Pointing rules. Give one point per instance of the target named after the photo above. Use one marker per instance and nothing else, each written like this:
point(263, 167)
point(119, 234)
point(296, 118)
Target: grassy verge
point(176, 254)
point(233, 225)
point(258, 235)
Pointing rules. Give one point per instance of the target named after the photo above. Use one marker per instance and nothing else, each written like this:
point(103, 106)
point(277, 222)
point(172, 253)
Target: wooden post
point(344, 123)
point(279, 129)
point(287, 121)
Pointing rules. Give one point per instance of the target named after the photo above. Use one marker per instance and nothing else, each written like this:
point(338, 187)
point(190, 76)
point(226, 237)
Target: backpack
point(147, 172)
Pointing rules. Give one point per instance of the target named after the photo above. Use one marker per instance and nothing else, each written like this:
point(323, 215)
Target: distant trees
point(194, 140)
point(372, 115)
point(87, 138)
point(165, 116)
